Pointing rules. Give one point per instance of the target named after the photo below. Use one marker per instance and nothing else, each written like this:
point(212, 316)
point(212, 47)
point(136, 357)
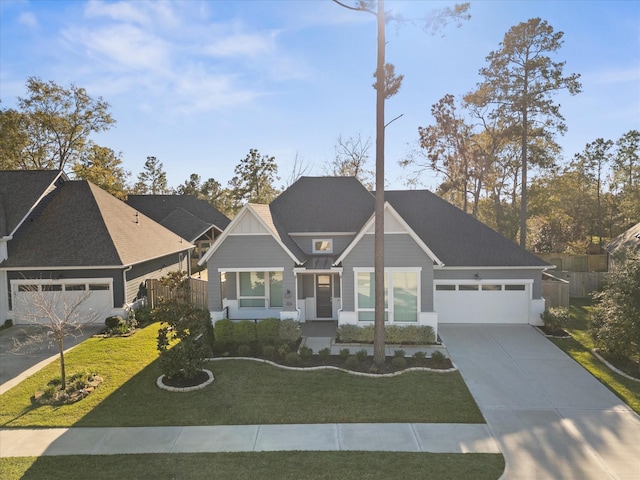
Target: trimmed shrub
point(114, 322)
point(399, 353)
point(349, 334)
point(244, 350)
point(394, 334)
point(269, 351)
point(289, 331)
point(555, 318)
point(305, 353)
point(223, 332)
point(419, 356)
point(283, 350)
point(438, 358)
point(367, 333)
point(244, 332)
point(344, 353)
point(351, 363)
point(268, 331)
point(292, 358)
point(361, 355)
point(144, 315)
point(324, 354)
point(399, 363)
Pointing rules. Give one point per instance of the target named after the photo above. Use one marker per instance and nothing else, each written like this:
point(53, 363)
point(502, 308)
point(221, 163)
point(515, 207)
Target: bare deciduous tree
point(58, 314)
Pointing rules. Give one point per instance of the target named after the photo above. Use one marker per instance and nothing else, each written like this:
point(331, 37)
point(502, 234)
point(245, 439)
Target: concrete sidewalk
point(394, 437)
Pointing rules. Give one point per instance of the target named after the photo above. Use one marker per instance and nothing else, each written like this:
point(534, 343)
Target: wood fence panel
point(555, 293)
point(198, 289)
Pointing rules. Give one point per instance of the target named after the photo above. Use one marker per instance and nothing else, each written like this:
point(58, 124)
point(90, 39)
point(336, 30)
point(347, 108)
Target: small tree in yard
point(59, 316)
point(182, 338)
point(615, 320)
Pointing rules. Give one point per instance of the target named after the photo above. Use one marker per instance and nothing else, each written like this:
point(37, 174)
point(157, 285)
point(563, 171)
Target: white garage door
point(30, 297)
point(492, 301)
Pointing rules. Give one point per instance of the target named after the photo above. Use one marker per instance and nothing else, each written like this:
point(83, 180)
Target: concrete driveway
point(18, 363)
point(551, 418)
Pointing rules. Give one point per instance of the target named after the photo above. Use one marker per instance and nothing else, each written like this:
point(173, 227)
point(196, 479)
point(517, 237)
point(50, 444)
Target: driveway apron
point(551, 418)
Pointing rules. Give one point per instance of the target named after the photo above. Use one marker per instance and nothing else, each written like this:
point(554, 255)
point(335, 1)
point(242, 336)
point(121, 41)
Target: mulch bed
point(179, 381)
point(560, 333)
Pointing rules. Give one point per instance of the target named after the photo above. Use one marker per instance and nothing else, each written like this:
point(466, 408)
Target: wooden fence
point(582, 284)
point(197, 289)
point(577, 263)
point(555, 291)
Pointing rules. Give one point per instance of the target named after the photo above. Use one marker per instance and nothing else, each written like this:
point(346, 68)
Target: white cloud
point(243, 44)
point(28, 19)
point(615, 76)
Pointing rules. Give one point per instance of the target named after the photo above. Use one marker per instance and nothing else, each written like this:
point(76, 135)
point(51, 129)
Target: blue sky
point(198, 84)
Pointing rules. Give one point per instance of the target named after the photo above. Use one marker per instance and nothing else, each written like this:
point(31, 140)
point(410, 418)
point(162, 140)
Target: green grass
point(579, 348)
point(244, 392)
point(266, 466)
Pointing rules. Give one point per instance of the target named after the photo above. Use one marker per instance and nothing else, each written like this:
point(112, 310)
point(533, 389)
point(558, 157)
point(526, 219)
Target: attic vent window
point(323, 245)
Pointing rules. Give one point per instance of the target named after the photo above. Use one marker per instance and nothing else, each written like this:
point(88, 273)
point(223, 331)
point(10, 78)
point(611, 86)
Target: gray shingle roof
point(19, 192)
point(454, 236)
point(628, 239)
point(84, 226)
point(343, 204)
point(165, 209)
point(323, 204)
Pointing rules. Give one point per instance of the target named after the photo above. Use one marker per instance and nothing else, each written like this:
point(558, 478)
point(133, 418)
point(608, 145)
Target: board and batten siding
point(493, 274)
point(400, 250)
point(246, 252)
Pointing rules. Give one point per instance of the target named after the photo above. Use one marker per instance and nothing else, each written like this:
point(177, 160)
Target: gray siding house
point(61, 237)
point(309, 255)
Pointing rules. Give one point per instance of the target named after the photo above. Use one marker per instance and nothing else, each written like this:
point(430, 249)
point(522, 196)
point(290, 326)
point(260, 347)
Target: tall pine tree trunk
point(378, 339)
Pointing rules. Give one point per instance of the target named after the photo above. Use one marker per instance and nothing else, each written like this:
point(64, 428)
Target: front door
point(324, 308)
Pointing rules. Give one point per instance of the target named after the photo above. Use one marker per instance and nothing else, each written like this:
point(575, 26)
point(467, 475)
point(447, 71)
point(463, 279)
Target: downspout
point(341, 296)
point(124, 283)
point(295, 279)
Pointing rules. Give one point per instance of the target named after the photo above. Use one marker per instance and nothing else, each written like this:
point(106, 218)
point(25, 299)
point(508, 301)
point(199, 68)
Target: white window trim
point(267, 289)
point(390, 307)
point(316, 240)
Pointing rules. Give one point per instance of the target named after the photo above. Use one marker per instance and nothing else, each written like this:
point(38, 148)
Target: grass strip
point(579, 348)
point(263, 465)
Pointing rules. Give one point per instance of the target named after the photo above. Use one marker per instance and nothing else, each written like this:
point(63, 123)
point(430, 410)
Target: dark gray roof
point(197, 215)
point(455, 237)
point(343, 204)
point(323, 204)
point(84, 226)
point(20, 191)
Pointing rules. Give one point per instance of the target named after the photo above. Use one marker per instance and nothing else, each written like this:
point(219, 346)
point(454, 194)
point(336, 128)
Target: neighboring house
point(193, 219)
point(309, 255)
point(58, 235)
point(629, 239)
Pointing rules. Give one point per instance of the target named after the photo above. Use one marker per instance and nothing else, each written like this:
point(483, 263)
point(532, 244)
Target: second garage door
point(493, 301)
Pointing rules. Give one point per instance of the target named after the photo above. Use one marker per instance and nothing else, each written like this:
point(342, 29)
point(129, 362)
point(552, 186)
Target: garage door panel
point(471, 303)
point(59, 297)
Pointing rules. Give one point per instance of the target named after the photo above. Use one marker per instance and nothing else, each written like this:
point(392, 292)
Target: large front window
point(260, 289)
point(403, 305)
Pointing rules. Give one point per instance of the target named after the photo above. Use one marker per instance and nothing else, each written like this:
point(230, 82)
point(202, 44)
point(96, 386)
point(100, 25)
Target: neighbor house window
point(403, 288)
point(324, 245)
point(260, 289)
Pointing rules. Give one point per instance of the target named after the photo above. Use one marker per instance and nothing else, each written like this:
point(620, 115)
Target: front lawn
point(244, 392)
point(579, 347)
point(264, 465)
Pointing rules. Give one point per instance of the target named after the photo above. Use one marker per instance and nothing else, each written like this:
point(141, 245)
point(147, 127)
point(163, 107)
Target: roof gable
point(20, 192)
point(455, 237)
point(253, 219)
point(85, 226)
point(393, 224)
